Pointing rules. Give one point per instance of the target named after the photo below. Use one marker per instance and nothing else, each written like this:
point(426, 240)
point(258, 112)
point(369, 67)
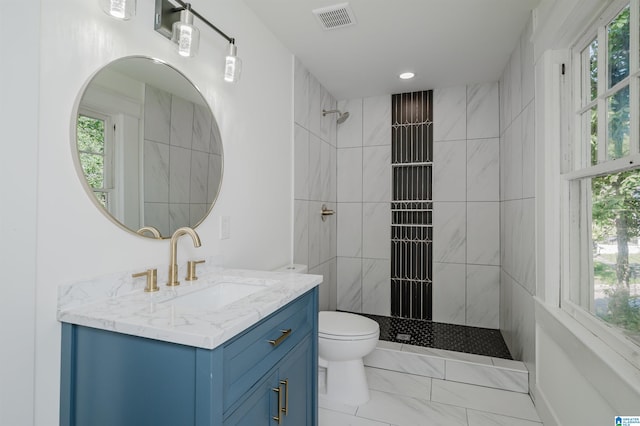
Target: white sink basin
point(215, 297)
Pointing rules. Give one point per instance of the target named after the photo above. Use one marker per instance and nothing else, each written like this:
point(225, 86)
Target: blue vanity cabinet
point(110, 378)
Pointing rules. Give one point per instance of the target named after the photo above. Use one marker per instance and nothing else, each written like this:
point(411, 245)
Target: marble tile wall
point(517, 203)
point(364, 211)
point(315, 162)
point(180, 155)
point(466, 218)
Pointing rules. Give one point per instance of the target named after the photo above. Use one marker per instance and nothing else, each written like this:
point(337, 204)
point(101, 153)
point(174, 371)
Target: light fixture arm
point(166, 15)
point(203, 19)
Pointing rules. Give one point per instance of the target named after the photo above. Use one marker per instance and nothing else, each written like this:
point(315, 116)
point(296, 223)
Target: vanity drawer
point(251, 355)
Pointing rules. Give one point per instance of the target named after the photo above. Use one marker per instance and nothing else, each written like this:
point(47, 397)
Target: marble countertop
point(117, 303)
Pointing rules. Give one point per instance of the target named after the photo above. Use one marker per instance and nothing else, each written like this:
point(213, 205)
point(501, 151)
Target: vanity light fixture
point(180, 29)
point(119, 9)
point(406, 75)
point(185, 34)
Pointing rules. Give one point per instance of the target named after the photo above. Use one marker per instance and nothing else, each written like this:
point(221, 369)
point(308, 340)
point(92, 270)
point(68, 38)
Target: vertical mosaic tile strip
point(412, 205)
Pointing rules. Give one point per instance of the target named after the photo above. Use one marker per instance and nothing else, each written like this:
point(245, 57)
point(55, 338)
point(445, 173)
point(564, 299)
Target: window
point(603, 200)
point(95, 149)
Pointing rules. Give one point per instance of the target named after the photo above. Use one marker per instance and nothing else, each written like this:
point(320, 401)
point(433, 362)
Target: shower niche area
point(412, 205)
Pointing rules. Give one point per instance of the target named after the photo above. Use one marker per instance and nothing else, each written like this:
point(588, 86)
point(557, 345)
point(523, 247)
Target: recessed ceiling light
point(406, 75)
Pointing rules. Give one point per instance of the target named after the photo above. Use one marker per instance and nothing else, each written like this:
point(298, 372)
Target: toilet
point(343, 340)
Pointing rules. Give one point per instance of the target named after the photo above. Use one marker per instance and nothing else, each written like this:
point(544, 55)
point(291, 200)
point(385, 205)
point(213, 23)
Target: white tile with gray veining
point(315, 162)
point(376, 121)
point(515, 66)
point(327, 122)
point(399, 383)
point(201, 128)
point(215, 177)
point(483, 111)
point(301, 232)
point(181, 122)
point(483, 233)
point(512, 165)
point(349, 217)
point(528, 65)
point(528, 151)
point(350, 174)
point(449, 232)
point(376, 230)
point(449, 292)
point(450, 114)
point(301, 163)
point(156, 172)
point(481, 418)
point(179, 174)
point(350, 132)
point(199, 185)
point(376, 297)
point(314, 223)
point(153, 315)
point(484, 399)
point(178, 215)
point(376, 173)
point(157, 110)
point(315, 105)
point(328, 417)
point(349, 290)
point(490, 377)
point(406, 362)
point(408, 411)
point(483, 296)
point(301, 94)
point(327, 170)
point(157, 214)
point(505, 98)
point(450, 171)
point(483, 170)
point(328, 235)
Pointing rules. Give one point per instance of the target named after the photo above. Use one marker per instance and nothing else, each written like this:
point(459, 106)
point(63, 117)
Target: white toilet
point(344, 339)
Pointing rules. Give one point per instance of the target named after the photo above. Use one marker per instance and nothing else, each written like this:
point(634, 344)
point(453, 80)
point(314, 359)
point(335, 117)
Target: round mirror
point(148, 147)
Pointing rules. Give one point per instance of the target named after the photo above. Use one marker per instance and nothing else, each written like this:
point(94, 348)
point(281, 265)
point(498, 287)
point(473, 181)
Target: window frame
point(576, 165)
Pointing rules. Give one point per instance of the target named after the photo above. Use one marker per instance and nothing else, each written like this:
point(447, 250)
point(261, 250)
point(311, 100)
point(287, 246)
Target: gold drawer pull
point(285, 333)
point(285, 382)
point(278, 418)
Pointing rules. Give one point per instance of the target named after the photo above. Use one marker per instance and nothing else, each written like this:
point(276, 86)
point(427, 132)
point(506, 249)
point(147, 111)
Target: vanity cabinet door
point(259, 408)
point(296, 381)
point(284, 398)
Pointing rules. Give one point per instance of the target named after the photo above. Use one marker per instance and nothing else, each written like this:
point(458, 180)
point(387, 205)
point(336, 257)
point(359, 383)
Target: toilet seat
point(345, 326)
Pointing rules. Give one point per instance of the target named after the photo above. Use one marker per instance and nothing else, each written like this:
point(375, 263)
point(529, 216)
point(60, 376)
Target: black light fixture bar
point(167, 14)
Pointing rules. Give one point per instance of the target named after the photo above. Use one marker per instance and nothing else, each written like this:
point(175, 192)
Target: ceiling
point(444, 42)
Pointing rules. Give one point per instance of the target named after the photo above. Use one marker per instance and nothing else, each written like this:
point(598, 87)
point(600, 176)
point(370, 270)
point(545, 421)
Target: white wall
point(18, 204)
point(74, 241)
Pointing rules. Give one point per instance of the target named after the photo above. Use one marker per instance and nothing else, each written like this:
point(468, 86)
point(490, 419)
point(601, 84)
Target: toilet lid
point(346, 324)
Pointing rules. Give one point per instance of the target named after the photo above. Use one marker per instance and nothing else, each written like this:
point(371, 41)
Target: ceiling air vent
point(336, 16)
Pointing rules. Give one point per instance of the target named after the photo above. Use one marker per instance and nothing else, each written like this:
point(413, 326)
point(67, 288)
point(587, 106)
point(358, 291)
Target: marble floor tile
point(479, 418)
point(406, 411)
point(327, 404)
point(480, 398)
point(334, 418)
point(398, 383)
point(489, 376)
point(406, 363)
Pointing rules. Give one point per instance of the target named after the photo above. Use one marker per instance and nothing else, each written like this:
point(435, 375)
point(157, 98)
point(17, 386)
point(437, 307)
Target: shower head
point(342, 116)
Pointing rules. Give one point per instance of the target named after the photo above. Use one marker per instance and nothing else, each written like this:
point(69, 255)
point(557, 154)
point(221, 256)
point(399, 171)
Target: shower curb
point(497, 373)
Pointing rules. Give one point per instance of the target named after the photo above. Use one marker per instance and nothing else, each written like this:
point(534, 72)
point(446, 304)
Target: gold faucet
point(151, 229)
point(173, 262)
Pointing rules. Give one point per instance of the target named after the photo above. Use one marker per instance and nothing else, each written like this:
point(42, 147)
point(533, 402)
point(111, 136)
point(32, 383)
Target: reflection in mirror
point(148, 146)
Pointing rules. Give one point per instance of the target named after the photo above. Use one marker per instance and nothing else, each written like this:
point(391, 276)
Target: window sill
point(603, 367)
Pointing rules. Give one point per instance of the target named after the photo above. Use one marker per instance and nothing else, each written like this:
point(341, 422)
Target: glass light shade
point(232, 65)
point(186, 35)
point(119, 9)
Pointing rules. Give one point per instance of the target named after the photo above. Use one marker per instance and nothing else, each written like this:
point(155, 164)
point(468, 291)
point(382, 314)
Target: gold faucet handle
point(191, 270)
point(152, 279)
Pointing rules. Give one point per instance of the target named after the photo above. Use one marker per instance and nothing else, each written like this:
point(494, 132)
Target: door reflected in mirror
point(148, 146)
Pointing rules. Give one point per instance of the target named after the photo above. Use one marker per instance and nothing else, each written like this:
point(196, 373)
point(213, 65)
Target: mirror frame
point(76, 154)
